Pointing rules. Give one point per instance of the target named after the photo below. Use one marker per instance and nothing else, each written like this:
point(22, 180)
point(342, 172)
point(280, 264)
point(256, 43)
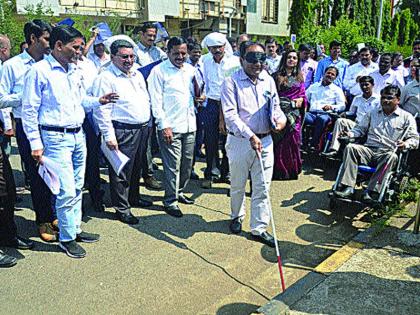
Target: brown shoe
point(47, 232)
point(55, 225)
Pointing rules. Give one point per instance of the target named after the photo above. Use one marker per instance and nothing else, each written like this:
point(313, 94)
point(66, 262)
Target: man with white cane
point(251, 109)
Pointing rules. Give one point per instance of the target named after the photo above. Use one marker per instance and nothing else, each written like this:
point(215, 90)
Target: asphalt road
point(190, 265)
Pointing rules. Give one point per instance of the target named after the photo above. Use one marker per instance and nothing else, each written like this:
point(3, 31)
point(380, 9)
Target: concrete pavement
point(375, 273)
point(191, 265)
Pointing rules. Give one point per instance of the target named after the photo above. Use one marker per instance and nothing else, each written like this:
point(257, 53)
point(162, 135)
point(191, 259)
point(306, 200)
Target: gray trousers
point(342, 124)
point(177, 159)
point(355, 154)
point(243, 161)
point(125, 187)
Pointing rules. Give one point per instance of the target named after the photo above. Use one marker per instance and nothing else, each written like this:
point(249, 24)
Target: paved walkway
point(376, 273)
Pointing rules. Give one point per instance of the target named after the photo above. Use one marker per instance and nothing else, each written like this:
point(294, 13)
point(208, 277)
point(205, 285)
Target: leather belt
point(61, 129)
point(121, 125)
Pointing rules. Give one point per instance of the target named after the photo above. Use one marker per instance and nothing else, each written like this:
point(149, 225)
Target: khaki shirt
point(383, 131)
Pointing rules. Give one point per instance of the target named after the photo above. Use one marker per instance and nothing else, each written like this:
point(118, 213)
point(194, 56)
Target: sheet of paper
point(116, 158)
point(49, 171)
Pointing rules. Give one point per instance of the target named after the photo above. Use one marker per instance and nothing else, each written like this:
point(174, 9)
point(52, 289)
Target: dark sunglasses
point(124, 57)
point(255, 57)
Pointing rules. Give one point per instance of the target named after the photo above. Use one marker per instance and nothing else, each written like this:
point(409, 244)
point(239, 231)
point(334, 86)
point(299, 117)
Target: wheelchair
point(394, 183)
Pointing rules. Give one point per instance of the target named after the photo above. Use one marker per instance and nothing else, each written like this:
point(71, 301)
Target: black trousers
point(7, 199)
point(92, 174)
point(125, 186)
point(43, 200)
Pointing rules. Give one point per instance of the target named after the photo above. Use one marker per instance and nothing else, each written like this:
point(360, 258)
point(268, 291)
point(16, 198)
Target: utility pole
point(378, 31)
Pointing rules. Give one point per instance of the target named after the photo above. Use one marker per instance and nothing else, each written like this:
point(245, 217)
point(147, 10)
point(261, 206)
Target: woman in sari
point(291, 88)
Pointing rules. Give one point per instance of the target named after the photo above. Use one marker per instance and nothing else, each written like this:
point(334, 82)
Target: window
point(270, 10)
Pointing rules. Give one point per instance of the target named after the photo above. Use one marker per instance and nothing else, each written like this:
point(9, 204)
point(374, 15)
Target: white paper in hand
point(116, 158)
point(48, 171)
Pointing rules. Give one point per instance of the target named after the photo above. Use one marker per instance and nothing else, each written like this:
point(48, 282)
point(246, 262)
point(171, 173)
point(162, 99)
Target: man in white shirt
point(385, 75)
point(364, 67)
point(53, 109)
point(124, 125)
point(361, 105)
point(98, 55)
point(273, 59)
point(217, 65)
point(172, 96)
point(6, 128)
point(37, 34)
point(323, 97)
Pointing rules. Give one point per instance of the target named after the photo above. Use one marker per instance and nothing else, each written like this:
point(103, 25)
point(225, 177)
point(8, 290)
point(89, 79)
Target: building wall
point(158, 9)
point(255, 26)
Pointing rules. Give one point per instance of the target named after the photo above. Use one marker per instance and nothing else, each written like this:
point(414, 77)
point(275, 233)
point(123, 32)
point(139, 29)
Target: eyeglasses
point(125, 57)
point(255, 57)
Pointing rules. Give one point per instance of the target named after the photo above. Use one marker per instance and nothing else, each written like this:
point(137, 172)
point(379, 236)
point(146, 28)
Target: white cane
point(283, 286)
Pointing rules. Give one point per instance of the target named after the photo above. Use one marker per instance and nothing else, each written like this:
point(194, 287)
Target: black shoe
point(127, 218)
point(72, 249)
point(86, 237)
point(207, 184)
point(152, 183)
point(18, 243)
point(223, 180)
point(98, 206)
point(185, 200)
point(194, 175)
point(155, 166)
point(173, 211)
point(7, 261)
point(235, 226)
point(142, 203)
point(330, 154)
point(346, 193)
point(265, 238)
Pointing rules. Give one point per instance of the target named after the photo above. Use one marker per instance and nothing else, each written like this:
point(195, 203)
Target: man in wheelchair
point(361, 105)
point(387, 129)
point(324, 97)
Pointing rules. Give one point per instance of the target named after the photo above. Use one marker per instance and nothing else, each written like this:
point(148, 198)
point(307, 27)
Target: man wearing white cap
point(219, 64)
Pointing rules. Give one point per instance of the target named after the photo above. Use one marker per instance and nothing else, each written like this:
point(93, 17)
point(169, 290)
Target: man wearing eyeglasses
point(124, 125)
point(251, 109)
point(387, 127)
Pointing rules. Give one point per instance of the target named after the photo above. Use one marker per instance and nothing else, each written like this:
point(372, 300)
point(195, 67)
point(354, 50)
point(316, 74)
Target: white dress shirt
point(215, 73)
point(355, 71)
point(90, 72)
point(273, 63)
point(319, 95)
point(147, 55)
point(381, 81)
point(172, 96)
point(12, 82)
point(133, 105)
point(5, 112)
point(361, 106)
point(98, 62)
point(53, 97)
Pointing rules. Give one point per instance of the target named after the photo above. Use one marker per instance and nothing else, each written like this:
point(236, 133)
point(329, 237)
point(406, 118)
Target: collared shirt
point(308, 68)
point(215, 73)
point(383, 131)
point(319, 95)
point(247, 105)
point(133, 105)
point(354, 71)
point(273, 63)
point(402, 71)
point(53, 97)
point(340, 64)
point(172, 96)
point(90, 72)
point(410, 97)
point(360, 106)
point(381, 81)
point(147, 55)
point(97, 61)
point(12, 81)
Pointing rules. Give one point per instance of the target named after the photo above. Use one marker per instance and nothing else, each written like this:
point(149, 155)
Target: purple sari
point(287, 159)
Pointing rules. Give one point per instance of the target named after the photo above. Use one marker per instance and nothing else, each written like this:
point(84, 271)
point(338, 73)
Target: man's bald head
point(4, 47)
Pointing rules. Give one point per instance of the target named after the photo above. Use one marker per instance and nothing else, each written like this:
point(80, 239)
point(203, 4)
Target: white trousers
point(242, 161)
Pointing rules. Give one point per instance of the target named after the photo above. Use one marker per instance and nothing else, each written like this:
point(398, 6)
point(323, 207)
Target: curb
point(280, 303)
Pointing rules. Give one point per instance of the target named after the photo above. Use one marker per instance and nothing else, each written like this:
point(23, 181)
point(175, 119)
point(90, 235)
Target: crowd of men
point(67, 99)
